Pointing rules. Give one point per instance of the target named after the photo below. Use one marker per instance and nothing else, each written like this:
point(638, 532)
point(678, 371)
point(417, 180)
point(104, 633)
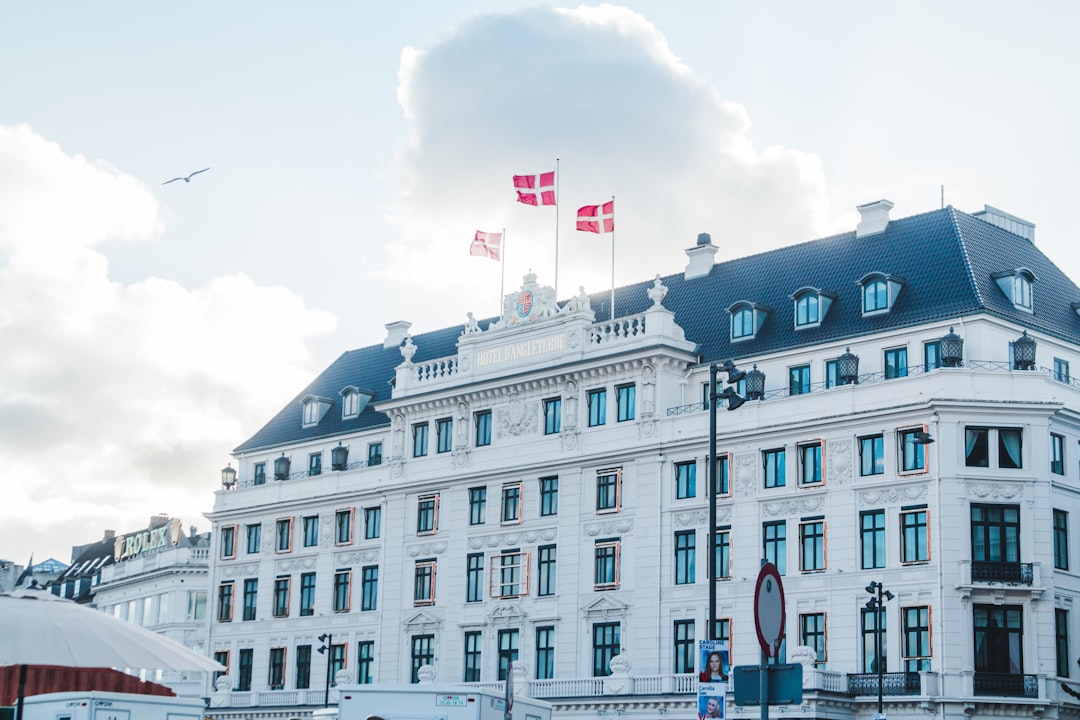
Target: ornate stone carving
point(607, 527)
point(745, 474)
point(793, 507)
point(569, 439)
point(904, 493)
point(519, 418)
point(425, 549)
point(408, 350)
point(657, 292)
point(690, 518)
point(839, 455)
point(997, 491)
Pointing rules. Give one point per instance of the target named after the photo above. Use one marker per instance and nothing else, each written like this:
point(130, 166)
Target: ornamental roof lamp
point(228, 477)
point(755, 384)
point(281, 468)
point(952, 350)
point(339, 457)
point(1024, 352)
point(847, 368)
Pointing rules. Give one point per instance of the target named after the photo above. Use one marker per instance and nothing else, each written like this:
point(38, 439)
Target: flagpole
point(557, 196)
point(502, 272)
point(612, 256)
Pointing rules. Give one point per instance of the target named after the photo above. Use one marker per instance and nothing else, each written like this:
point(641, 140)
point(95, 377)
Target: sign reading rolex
point(152, 539)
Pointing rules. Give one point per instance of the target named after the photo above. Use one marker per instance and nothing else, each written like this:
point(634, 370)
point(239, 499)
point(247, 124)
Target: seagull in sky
point(186, 179)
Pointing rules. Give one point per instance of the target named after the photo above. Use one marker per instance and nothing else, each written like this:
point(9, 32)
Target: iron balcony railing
point(898, 683)
point(1012, 685)
point(1013, 573)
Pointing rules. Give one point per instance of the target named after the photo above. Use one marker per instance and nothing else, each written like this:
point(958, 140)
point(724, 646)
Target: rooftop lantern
point(755, 384)
point(1023, 353)
point(281, 468)
point(847, 368)
point(952, 350)
point(339, 457)
point(228, 477)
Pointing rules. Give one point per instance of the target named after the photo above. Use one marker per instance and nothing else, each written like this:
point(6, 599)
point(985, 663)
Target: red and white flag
point(597, 218)
point(486, 244)
point(535, 189)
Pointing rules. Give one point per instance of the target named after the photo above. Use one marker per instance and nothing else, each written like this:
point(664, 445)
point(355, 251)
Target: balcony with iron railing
point(1006, 684)
point(1011, 573)
point(897, 683)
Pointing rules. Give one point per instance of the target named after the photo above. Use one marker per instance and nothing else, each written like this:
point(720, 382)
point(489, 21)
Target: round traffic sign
point(769, 612)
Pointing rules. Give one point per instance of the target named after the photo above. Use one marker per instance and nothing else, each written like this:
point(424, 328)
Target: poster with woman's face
point(712, 678)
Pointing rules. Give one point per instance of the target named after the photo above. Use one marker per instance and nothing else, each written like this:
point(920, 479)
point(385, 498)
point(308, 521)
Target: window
point(774, 538)
point(1061, 641)
point(282, 587)
point(872, 455)
point(303, 667)
point(225, 602)
point(483, 428)
point(999, 640)
point(995, 533)
point(1057, 454)
point(244, 663)
point(552, 415)
point(508, 651)
point(427, 515)
point(343, 526)
point(832, 373)
point(605, 645)
point(311, 531)
point(1016, 285)
point(307, 594)
point(424, 583)
point(597, 400)
point(336, 660)
point(419, 439)
point(608, 489)
point(875, 296)
point(510, 574)
point(931, 355)
point(511, 503)
point(685, 479)
point(1022, 291)
point(1061, 539)
point(742, 323)
point(312, 412)
point(365, 660)
point(872, 539)
point(606, 553)
point(799, 380)
point(625, 397)
point(549, 496)
point(369, 588)
point(374, 454)
point(315, 463)
point(228, 542)
point(372, 521)
point(912, 454)
point(812, 634)
point(477, 505)
point(222, 657)
point(474, 641)
point(545, 570)
point(806, 311)
point(260, 474)
point(444, 433)
point(474, 577)
point(916, 650)
point(254, 538)
point(196, 608)
point(723, 463)
point(895, 363)
point(914, 540)
point(723, 552)
point(350, 404)
point(342, 590)
point(1061, 373)
point(423, 653)
point(685, 551)
point(810, 464)
point(283, 535)
point(812, 545)
point(251, 598)
point(545, 652)
point(869, 638)
point(1009, 447)
point(684, 646)
point(275, 678)
point(775, 471)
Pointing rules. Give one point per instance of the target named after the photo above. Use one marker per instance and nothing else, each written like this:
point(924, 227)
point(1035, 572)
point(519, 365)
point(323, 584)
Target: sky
point(354, 147)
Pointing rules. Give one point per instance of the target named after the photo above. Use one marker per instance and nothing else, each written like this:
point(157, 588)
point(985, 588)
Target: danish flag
point(535, 189)
point(486, 244)
point(597, 218)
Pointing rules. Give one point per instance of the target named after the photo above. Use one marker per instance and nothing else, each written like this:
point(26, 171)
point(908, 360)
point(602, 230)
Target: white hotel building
point(534, 486)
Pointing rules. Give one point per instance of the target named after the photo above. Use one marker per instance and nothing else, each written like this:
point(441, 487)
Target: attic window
point(315, 408)
point(811, 305)
point(1016, 285)
point(353, 402)
point(879, 293)
point(746, 319)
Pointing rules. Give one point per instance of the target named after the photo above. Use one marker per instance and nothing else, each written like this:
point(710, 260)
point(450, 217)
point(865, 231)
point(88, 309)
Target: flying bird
point(186, 179)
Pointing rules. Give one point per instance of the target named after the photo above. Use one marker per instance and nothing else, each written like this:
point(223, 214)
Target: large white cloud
point(599, 88)
point(118, 401)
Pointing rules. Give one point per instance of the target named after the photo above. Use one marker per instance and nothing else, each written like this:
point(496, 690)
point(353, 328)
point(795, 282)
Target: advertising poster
point(712, 678)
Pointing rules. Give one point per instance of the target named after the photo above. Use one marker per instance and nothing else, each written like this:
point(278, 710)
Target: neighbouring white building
point(534, 486)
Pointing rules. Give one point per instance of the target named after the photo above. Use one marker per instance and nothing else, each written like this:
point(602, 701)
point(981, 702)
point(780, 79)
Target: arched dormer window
point(811, 305)
point(315, 408)
point(353, 401)
point(1016, 285)
point(746, 319)
point(879, 293)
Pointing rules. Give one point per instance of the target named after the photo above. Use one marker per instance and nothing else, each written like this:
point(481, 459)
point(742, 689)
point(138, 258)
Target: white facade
point(594, 536)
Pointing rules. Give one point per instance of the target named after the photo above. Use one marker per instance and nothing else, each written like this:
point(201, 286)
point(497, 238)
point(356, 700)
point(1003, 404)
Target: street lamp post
point(734, 400)
point(327, 640)
point(876, 603)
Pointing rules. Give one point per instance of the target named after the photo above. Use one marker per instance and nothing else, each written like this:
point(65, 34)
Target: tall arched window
point(806, 310)
point(875, 295)
point(742, 323)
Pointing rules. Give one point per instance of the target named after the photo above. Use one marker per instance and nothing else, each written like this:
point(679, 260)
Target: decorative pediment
point(533, 302)
point(605, 606)
point(422, 620)
point(507, 614)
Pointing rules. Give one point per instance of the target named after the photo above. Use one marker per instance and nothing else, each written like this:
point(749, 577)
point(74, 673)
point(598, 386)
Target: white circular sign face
point(769, 613)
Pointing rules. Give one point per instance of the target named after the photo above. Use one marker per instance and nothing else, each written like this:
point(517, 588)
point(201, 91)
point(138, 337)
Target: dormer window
point(811, 305)
point(353, 401)
point(1016, 285)
point(879, 293)
point(315, 408)
point(746, 319)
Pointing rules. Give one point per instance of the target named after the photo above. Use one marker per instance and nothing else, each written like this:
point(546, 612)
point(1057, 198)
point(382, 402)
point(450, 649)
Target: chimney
point(701, 257)
point(109, 535)
point(875, 218)
point(395, 333)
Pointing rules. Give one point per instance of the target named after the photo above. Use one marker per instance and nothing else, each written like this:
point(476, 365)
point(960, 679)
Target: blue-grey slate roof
point(945, 258)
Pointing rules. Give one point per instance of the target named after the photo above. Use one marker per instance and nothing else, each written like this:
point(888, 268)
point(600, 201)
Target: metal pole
point(329, 662)
point(877, 652)
point(763, 685)
point(712, 500)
